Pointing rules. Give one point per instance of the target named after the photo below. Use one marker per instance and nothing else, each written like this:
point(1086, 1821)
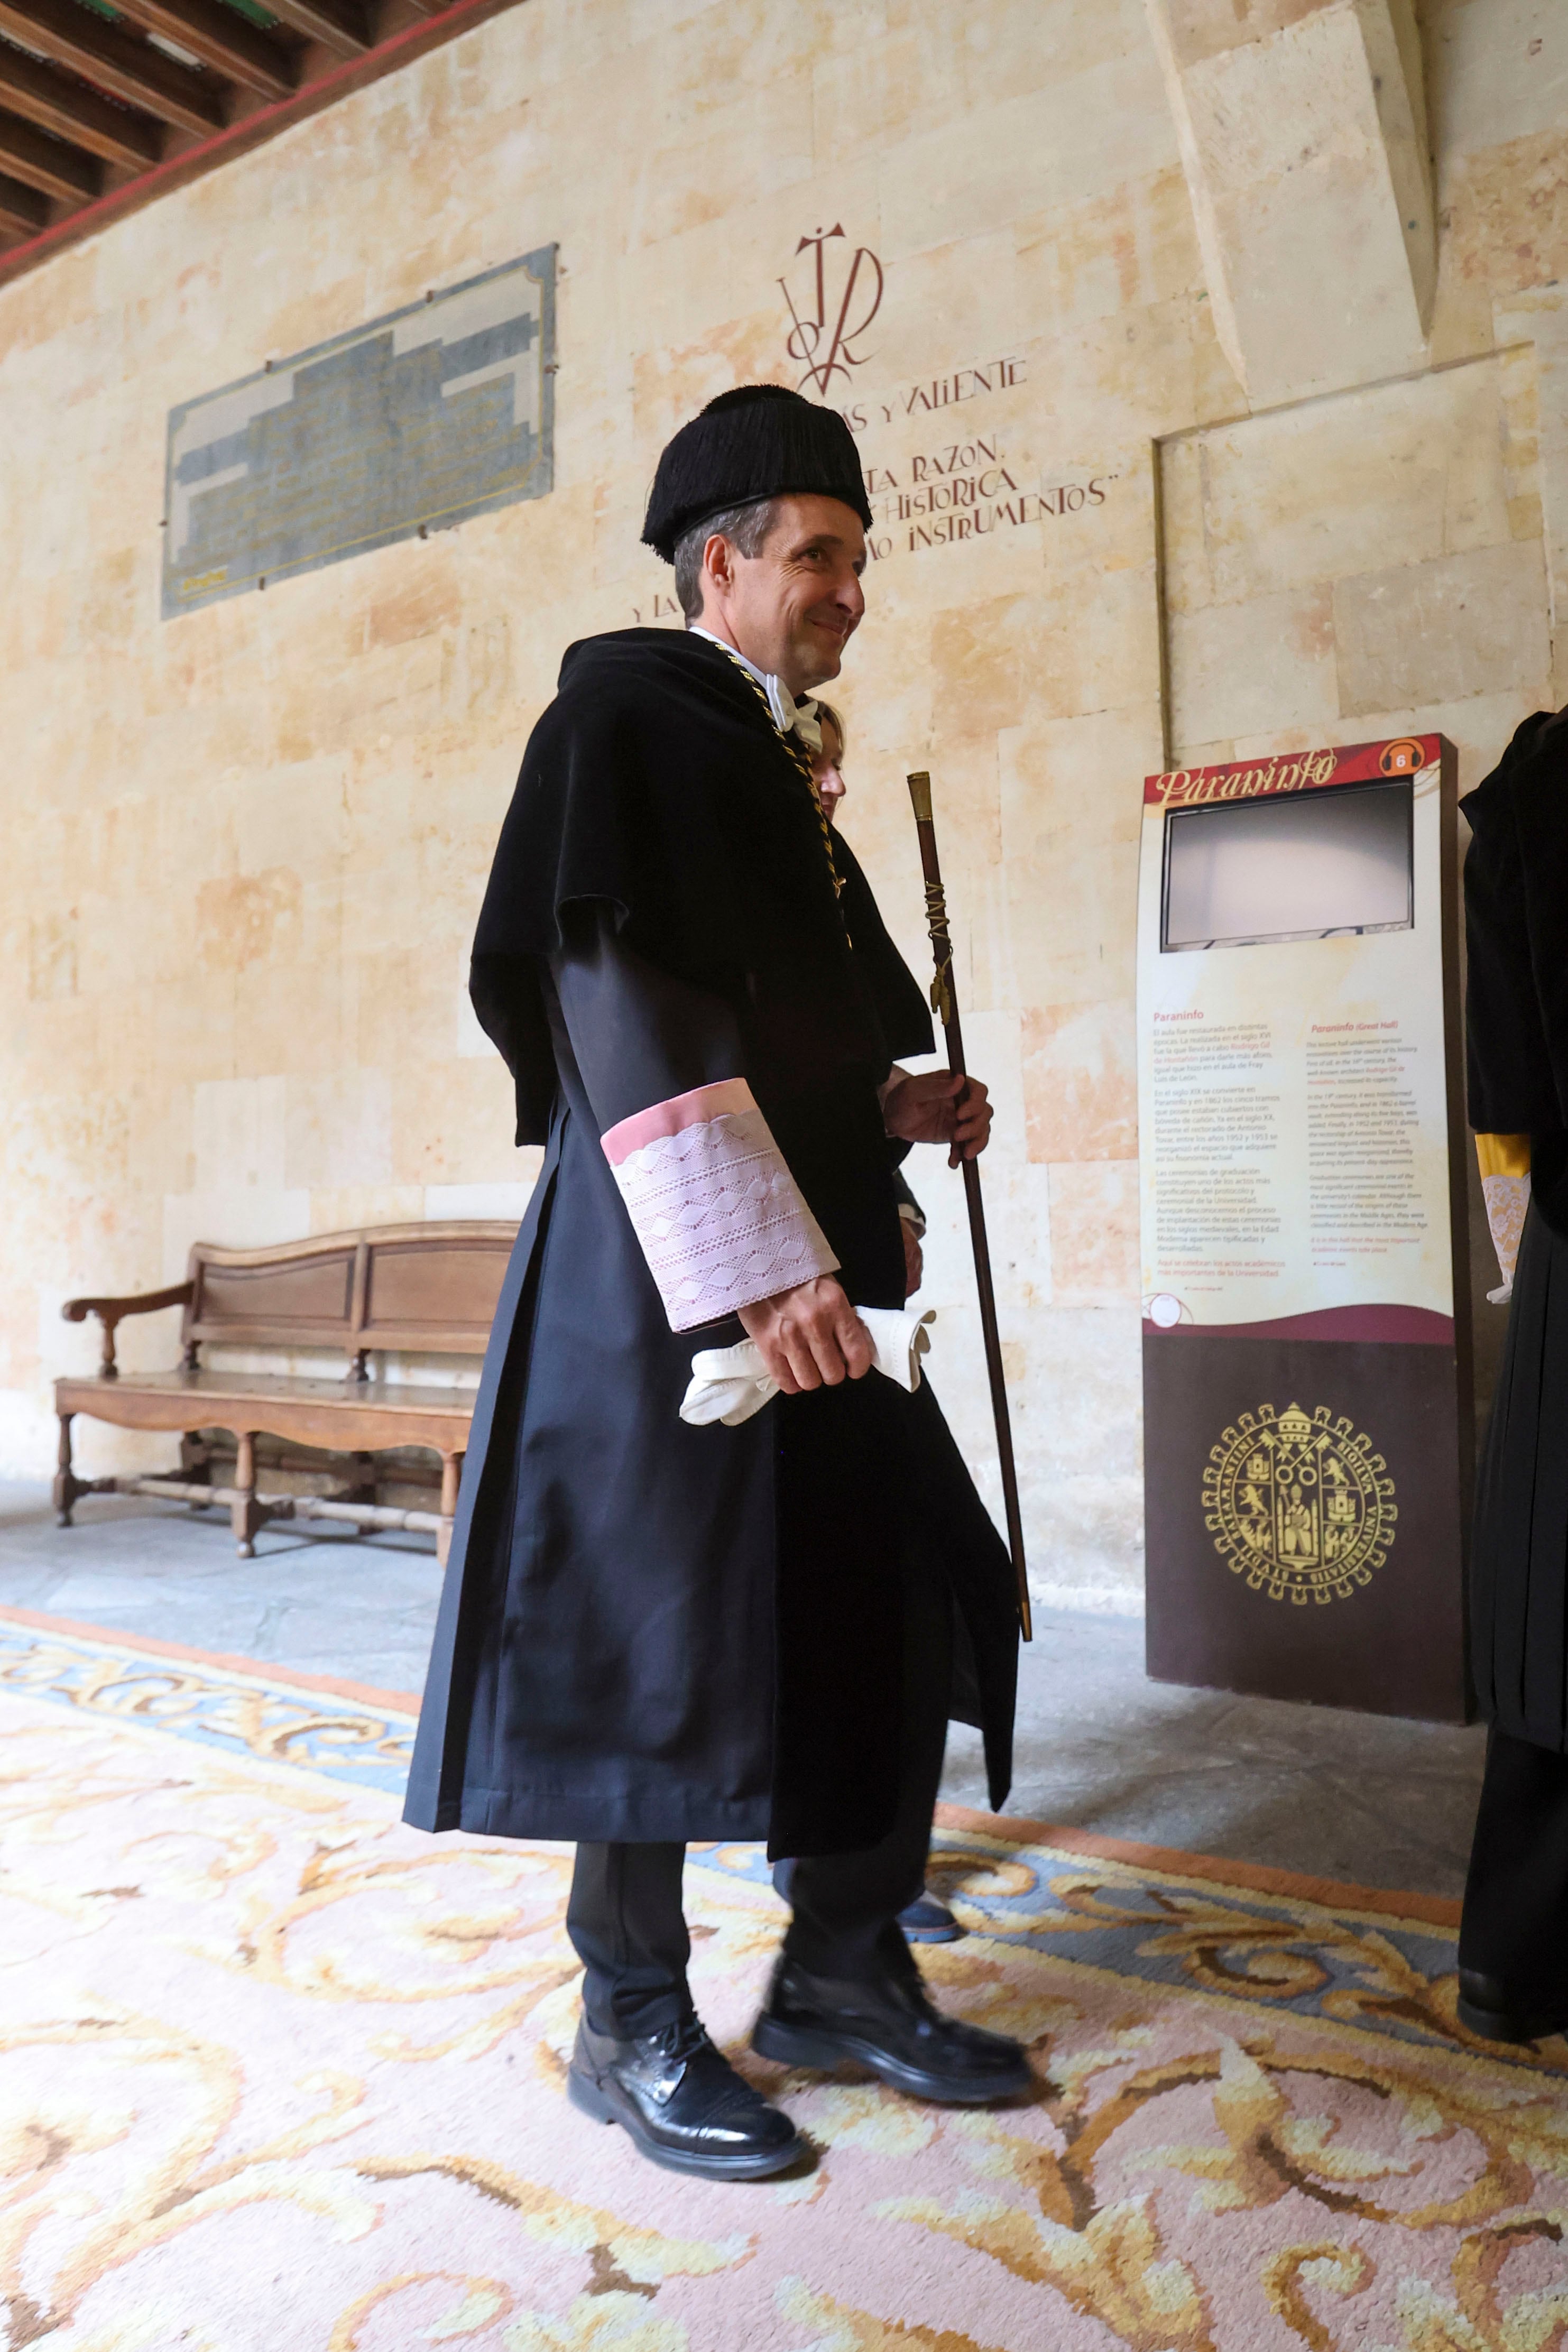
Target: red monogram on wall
point(842, 295)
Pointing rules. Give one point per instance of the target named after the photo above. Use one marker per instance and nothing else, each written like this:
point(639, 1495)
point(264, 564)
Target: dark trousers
point(1515, 1923)
point(625, 1915)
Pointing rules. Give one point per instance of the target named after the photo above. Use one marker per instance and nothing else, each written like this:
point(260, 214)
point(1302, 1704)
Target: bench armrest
point(109, 1312)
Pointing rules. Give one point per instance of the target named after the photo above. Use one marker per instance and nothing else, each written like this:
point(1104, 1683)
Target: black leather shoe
point(683, 2103)
point(927, 1921)
point(891, 2028)
point(1487, 2008)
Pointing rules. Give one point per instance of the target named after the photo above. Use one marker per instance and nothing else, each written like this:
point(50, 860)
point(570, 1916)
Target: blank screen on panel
point(1299, 867)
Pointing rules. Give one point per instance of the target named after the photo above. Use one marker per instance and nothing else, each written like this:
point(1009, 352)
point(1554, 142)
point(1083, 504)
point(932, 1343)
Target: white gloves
point(730, 1384)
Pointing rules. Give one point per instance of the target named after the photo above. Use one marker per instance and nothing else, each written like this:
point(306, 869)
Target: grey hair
point(745, 528)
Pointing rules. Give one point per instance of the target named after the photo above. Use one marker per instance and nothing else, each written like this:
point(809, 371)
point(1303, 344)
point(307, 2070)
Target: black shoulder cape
point(655, 782)
point(1516, 928)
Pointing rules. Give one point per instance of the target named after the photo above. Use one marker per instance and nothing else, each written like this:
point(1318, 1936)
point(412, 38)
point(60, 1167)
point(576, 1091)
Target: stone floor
point(1371, 1799)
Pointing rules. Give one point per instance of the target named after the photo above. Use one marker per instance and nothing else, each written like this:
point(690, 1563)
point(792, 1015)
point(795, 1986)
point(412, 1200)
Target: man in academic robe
point(1513, 1934)
point(652, 1632)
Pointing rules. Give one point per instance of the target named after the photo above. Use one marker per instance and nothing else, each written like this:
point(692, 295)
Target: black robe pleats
point(1516, 923)
point(650, 1632)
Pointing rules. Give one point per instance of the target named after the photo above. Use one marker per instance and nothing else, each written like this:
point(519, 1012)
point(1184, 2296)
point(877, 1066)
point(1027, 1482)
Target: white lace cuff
point(1506, 1199)
point(720, 1218)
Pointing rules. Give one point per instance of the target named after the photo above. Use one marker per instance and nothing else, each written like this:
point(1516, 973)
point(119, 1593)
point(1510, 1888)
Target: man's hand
point(810, 1336)
point(914, 1257)
point(940, 1107)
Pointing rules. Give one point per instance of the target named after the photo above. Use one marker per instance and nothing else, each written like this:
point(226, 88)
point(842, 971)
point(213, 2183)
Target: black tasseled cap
point(759, 441)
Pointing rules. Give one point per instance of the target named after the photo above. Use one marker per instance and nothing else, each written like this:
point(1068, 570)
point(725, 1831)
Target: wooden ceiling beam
point(340, 25)
point(22, 210)
point(25, 245)
point(221, 37)
point(65, 106)
point(121, 62)
point(40, 161)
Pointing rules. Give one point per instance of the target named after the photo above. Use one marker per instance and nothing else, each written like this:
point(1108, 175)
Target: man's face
point(792, 607)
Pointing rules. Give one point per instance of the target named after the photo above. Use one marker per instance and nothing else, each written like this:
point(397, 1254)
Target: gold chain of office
point(797, 755)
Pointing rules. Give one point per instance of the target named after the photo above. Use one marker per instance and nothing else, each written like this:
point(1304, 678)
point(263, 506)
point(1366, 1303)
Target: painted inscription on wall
point(401, 428)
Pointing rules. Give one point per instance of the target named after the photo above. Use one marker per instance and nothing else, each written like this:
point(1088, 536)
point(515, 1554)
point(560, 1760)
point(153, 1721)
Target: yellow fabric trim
point(1503, 1155)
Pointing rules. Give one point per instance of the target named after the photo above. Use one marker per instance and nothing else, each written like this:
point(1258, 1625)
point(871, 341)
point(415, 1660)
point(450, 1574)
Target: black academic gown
point(1516, 921)
point(1514, 1928)
point(650, 1632)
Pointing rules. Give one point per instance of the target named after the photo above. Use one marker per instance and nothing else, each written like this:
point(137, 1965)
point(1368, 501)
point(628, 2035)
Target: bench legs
point(248, 1514)
point(196, 1463)
point(245, 1513)
point(67, 1486)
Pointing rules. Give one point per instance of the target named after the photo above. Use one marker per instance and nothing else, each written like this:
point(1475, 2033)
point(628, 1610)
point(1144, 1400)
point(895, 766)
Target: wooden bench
point(427, 1289)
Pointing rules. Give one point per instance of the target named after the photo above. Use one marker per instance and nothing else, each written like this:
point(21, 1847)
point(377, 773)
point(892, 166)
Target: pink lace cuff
point(720, 1217)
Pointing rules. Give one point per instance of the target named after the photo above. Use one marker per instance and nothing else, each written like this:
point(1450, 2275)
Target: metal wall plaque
point(409, 425)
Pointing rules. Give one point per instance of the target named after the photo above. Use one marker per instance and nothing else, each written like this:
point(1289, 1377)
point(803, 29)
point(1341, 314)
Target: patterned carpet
point(277, 2075)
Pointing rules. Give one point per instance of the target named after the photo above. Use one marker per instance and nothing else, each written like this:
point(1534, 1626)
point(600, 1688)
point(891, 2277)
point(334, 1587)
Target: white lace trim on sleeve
point(721, 1220)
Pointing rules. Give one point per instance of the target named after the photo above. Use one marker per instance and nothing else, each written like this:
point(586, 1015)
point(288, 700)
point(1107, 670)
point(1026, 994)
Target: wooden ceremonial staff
point(944, 1001)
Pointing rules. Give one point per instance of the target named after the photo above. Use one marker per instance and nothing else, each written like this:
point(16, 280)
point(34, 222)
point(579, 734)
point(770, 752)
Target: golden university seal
point(1298, 1504)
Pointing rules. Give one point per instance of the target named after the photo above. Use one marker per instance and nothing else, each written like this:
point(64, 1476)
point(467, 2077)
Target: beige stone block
point(1086, 1418)
point(1509, 212)
point(406, 1008)
point(1217, 393)
point(1208, 29)
point(1302, 146)
point(997, 659)
point(1081, 1082)
point(239, 1135)
point(1014, 45)
point(341, 1208)
point(1017, 658)
point(293, 819)
point(1187, 576)
point(185, 1026)
point(52, 955)
point(670, 386)
point(502, 1201)
point(1237, 668)
point(292, 1017)
point(338, 1128)
point(159, 1158)
point(1461, 322)
point(1116, 380)
point(1466, 625)
point(1394, 475)
point(764, 144)
point(1075, 137)
point(119, 579)
point(1066, 925)
point(941, 309)
point(477, 669)
point(1497, 69)
point(1094, 1232)
point(394, 691)
point(416, 607)
point(1129, 248)
point(245, 919)
point(453, 1123)
point(884, 88)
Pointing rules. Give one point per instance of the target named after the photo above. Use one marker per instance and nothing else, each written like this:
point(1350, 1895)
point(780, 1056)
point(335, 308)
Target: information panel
point(411, 423)
point(1305, 1298)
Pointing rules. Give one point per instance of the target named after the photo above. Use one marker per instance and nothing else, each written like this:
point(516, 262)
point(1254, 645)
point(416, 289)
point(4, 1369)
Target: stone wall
point(244, 847)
